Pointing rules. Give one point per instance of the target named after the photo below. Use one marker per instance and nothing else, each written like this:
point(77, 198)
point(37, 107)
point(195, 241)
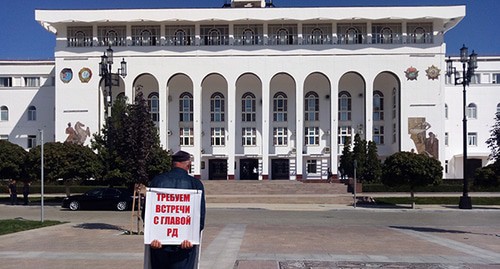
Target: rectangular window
point(495, 78)
point(4, 137)
point(280, 135)
point(32, 81)
point(312, 136)
point(386, 33)
point(378, 135)
point(446, 139)
point(446, 166)
point(248, 110)
point(5, 82)
point(31, 141)
point(179, 35)
point(249, 136)
point(312, 166)
point(394, 133)
point(472, 139)
point(31, 115)
point(186, 137)
point(218, 136)
point(345, 133)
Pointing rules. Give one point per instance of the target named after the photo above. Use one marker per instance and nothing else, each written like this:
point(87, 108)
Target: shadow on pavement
point(98, 226)
point(437, 230)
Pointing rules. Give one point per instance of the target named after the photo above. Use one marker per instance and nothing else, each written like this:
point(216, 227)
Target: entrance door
point(249, 169)
point(280, 169)
point(217, 169)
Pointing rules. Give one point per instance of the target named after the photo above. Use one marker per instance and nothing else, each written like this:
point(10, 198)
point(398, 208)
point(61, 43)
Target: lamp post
point(469, 64)
point(110, 78)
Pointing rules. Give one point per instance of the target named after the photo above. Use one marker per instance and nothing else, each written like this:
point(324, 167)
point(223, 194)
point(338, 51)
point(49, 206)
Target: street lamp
point(110, 78)
point(469, 64)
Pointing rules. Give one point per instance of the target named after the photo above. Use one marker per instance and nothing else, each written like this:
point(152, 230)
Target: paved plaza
point(269, 237)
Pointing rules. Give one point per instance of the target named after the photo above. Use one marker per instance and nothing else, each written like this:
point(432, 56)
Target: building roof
point(448, 15)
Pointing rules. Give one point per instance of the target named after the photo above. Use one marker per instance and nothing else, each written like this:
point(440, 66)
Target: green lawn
point(18, 225)
point(436, 200)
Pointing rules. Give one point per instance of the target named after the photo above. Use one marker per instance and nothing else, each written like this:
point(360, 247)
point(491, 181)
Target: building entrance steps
point(276, 192)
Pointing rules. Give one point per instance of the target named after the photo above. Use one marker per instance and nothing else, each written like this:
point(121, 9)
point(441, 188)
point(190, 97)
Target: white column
point(368, 111)
point(265, 129)
point(334, 126)
point(230, 136)
point(164, 104)
point(197, 127)
point(299, 127)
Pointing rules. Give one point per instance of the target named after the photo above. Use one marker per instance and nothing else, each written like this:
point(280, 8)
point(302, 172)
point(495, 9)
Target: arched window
point(31, 113)
point(112, 37)
point(146, 38)
point(378, 106)
point(386, 35)
point(280, 107)
point(419, 35)
point(446, 111)
point(154, 107)
point(214, 37)
point(317, 36)
point(248, 107)
point(472, 111)
point(248, 37)
point(4, 113)
point(186, 107)
point(180, 37)
point(217, 107)
point(345, 106)
point(282, 36)
point(80, 39)
point(311, 107)
point(353, 36)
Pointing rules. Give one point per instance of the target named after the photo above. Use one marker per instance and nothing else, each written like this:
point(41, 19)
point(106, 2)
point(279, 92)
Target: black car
point(100, 198)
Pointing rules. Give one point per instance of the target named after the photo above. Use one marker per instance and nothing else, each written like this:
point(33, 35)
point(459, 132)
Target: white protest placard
point(172, 216)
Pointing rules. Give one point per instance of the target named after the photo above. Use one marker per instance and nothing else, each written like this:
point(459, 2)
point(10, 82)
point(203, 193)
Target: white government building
point(254, 91)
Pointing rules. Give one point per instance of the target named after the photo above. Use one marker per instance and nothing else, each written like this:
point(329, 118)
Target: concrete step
point(276, 192)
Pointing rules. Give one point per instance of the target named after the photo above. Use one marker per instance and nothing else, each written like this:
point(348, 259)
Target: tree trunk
point(412, 199)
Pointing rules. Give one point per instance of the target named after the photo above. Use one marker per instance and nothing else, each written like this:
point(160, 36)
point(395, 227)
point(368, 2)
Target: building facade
point(271, 93)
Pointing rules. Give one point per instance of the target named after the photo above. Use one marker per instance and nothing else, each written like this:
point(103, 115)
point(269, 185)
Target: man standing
point(184, 256)
point(13, 192)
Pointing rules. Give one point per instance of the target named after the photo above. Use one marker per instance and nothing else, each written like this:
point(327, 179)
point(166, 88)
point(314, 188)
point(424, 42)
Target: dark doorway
point(249, 169)
point(472, 165)
point(217, 169)
point(280, 169)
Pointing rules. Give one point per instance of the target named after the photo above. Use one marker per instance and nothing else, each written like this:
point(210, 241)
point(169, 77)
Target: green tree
point(346, 162)
point(129, 145)
point(373, 167)
point(494, 144)
point(486, 177)
point(411, 169)
point(11, 160)
point(359, 154)
point(63, 161)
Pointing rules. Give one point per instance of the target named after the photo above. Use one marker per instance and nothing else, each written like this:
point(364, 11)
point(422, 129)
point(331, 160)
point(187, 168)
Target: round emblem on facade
point(432, 72)
point(66, 75)
point(85, 75)
point(411, 73)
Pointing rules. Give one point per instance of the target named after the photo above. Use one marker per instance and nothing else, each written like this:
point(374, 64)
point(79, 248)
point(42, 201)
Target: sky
point(22, 38)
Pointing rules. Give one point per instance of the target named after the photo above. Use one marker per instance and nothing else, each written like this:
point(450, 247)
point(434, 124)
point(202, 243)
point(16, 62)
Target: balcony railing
point(79, 42)
point(245, 40)
point(317, 40)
